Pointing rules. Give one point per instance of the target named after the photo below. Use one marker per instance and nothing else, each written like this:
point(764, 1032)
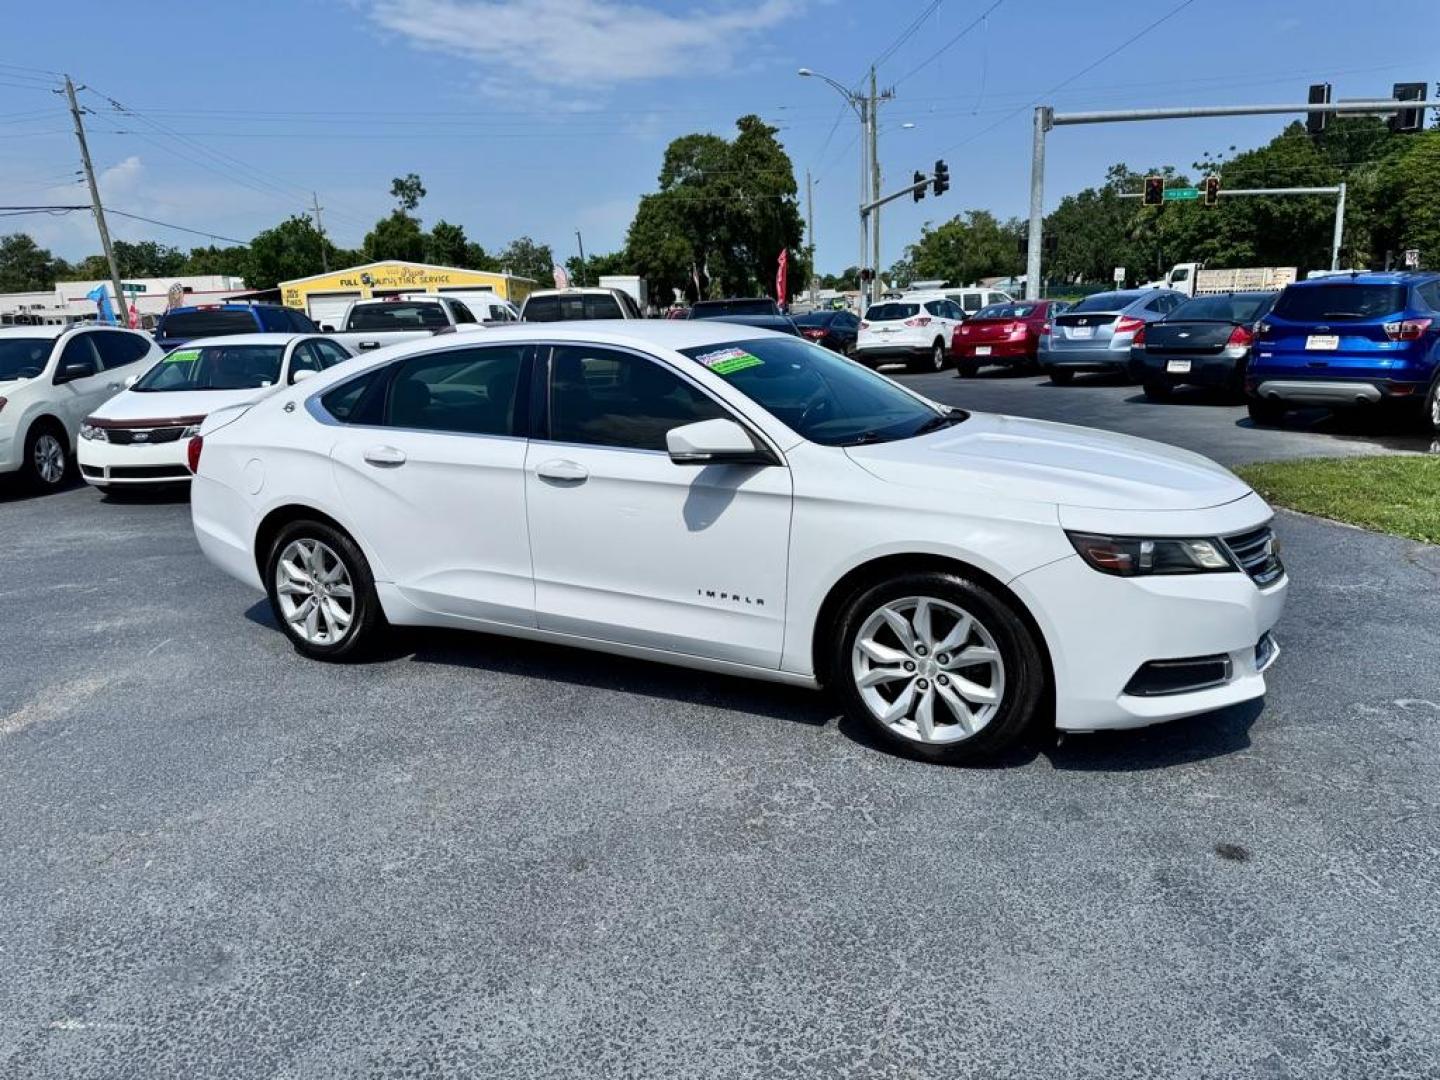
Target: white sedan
point(138, 436)
point(746, 502)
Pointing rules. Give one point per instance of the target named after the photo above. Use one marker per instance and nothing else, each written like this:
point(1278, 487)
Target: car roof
point(50, 331)
point(246, 339)
point(220, 307)
point(1368, 277)
point(593, 290)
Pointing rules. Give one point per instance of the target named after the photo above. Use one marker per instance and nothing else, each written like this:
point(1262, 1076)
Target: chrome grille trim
point(1254, 552)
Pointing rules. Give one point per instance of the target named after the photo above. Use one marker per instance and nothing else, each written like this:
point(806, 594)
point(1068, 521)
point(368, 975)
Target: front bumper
point(1102, 630)
point(106, 463)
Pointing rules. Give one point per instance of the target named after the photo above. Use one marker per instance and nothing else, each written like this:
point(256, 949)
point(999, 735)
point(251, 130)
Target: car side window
point(359, 400)
point(303, 323)
point(469, 391)
point(79, 350)
point(1430, 293)
point(603, 397)
point(461, 313)
point(304, 358)
point(938, 309)
point(972, 301)
point(330, 353)
point(117, 349)
point(542, 309)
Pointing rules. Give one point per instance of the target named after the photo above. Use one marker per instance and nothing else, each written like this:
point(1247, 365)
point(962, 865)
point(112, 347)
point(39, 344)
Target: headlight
point(93, 433)
point(1131, 556)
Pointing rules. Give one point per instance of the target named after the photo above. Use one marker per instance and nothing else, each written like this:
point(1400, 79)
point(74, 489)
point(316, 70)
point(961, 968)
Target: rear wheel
point(1432, 407)
point(1061, 376)
point(1156, 390)
point(938, 666)
point(47, 457)
point(1266, 412)
point(935, 361)
point(322, 592)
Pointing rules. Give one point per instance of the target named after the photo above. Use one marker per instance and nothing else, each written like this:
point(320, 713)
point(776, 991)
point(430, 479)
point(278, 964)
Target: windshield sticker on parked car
point(729, 361)
point(182, 356)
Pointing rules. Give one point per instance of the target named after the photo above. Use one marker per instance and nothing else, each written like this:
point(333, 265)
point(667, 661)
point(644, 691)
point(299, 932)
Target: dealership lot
point(481, 857)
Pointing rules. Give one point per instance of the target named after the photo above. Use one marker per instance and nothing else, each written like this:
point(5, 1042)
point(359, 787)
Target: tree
point(395, 237)
point(523, 257)
point(228, 261)
point(590, 271)
point(147, 259)
point(969, 246)
point(408, 191)
point(25, 266)
point(1409, 186)
point(476, 258)
point(289, 250)
point(445, 244)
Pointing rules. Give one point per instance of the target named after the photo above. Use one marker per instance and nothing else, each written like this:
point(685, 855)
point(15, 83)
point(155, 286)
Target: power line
point(69, 208)
point(907, 33)
point(945, 48)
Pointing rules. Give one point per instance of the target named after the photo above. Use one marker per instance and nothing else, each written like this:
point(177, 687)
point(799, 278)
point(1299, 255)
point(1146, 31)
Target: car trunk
point(990, 330)
point(1087, 330)
point(897, 324)
point(1336, 331)
point(1191, 336)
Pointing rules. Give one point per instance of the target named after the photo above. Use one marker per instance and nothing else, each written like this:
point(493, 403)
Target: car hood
point(171, 404)
point(1035, 460)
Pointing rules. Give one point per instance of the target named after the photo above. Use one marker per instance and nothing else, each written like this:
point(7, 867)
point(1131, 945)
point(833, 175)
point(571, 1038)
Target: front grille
point(149, 472)
point(1256, 553)
point(145, 436)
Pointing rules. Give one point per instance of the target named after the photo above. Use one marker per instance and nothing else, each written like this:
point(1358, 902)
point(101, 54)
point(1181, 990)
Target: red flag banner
point(782, 271)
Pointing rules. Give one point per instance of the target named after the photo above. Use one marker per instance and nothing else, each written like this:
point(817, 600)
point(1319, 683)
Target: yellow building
point(324, 297)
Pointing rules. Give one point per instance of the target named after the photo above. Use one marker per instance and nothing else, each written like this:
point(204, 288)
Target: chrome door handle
point(385, 457)
point(565, 471)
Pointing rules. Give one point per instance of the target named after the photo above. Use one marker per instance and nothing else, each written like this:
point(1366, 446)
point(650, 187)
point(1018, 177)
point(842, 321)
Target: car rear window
point(890, 312)
point(707, 309)
point(1240, 309)
point(1006, 311)
point(1105, 301)
point(215, 323)
point(815, 318)
point(398, 315)
point(1347, 300)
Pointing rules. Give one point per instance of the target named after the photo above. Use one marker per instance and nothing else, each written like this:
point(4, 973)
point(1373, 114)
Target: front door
point(433, 477)
point(630, 547)
point(77, 398)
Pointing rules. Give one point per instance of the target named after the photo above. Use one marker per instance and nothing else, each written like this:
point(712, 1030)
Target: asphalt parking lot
point(479, 857)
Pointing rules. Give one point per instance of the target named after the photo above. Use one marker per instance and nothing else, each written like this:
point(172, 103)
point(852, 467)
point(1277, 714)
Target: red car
point(1007, 333)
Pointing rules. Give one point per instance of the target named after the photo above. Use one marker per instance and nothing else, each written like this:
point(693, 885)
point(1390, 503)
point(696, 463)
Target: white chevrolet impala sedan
point(746, 502)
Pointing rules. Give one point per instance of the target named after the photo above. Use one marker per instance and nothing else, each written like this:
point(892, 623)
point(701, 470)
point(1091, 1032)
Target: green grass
point(1399, 495)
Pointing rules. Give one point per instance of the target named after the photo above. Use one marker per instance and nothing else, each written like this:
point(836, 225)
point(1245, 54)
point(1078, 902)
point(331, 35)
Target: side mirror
point(131, 380)
point(75, 369)
point(326, 328)
point(302, 374)
point(714, 442)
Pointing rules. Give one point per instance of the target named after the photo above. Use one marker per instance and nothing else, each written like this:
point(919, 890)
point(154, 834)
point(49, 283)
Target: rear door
point(1334, 330)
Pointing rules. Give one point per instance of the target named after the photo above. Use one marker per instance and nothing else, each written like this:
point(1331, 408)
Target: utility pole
point(122, 310)
point(581, 244)
point(319, 228)
point(863, 104)
point(810, 231)
point(874, 185)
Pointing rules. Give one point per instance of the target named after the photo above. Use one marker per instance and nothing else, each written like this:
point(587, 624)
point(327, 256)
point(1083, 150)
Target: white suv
point(916, 329)
point(746, 502)
point(51, 378)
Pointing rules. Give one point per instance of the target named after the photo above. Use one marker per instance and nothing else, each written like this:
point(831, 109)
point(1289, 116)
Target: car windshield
point(23, 358)
point(890, 312)
point(1105, 301)
point(1006, 311)
point(215, 367)
point(1238, 309)
point(1348, 300)
point(397, 315)
point(708, 309)
point(818, 394)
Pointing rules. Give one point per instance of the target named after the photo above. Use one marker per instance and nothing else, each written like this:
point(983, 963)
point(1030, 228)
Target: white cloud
point(582, 43)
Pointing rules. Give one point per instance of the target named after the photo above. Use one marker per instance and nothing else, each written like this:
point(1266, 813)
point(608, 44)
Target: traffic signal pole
point(1047, 118)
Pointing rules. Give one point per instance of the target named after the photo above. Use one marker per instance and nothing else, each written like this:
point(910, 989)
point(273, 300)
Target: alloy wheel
point(938, 358)
point(49, 459)
point(928, 670)
point(317, 597)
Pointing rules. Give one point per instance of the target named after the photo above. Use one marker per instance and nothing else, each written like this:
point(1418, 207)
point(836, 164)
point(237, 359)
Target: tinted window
point(117, 350)
point(462, 390)
point(938, 308)
point(1233, 308)
point(304, 358)
point(23, 358)
point(330, 353)
point(817, 318)
point(890, 312)
point(542, 309)
point(972, 301)
point(216, 322)
point(604, 398)
point(1106, 301)
point(1006, 311)
point(706, 309)
point(816, 393)
point(1430, 293)
point(80, 350)
point(348, 401)
point(397, 315)
point(215, 367)
point(1343, 300)
point(461, 313)
point(601, 307)
point(301, 322)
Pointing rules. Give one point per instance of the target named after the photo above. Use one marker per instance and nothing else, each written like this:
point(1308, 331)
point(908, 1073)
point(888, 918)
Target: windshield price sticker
point(183, 356)
point(729, 361)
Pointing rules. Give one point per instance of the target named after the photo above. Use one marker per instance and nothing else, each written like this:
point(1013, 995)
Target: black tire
point(969, 368)
point(933, 361)
point(367, 621)
point(43, 435)
point(1158, 391)
point(1432, 408)
point(1024, 690)
point(1061, 376)
point(1266, 413)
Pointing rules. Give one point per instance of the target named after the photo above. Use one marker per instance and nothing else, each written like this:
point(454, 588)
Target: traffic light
point(919, 191)
point(942, 178)
point(1212, 190)
point(1407, 120)
point(1154, 190)
point(1315, 122)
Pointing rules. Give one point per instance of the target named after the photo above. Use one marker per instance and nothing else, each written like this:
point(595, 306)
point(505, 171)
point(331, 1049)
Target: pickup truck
point(1192, 279)
point(372, 324)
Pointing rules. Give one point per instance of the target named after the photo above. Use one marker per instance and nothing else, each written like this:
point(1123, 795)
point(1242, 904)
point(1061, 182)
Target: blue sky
point(541, 117)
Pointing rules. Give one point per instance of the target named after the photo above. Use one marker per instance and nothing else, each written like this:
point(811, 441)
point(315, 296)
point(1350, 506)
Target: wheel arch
point(47, 419)
point(881, 568)
point(277, 518)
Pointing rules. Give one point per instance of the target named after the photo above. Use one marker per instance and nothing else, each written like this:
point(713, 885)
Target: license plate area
point(1323, 342)
point(1178, 367)
point(1080, 333)
point(982, 350)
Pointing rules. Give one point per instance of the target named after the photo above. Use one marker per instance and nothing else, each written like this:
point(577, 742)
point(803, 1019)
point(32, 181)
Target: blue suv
point(182, 324)
point(1346, 340)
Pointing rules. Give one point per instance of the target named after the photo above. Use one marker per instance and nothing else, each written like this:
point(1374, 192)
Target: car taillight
point(1018, 329)
point(1409, 330)
point(1241, 337)
point(919, 320)
point(1128, 324)
point(192, 453)
point(1139, 340)
point(964, 328)
point(1045, 329)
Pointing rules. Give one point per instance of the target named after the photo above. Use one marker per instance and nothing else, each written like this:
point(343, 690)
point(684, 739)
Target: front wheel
point(47, 458)
point(938, 666)
point(1157, 391)
point(322, 592)
point(1061, 376)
